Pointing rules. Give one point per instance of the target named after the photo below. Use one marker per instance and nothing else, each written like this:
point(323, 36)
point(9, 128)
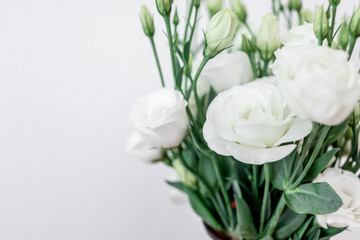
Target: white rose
point(347, 185)
point(161, 118)
point(227, 70)
point(138, 146)
point(300, 35)
point(318, 83)
point(250, 122)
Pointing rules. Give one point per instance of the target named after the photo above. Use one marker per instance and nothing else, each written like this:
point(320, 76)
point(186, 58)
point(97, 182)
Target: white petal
point(258, 156)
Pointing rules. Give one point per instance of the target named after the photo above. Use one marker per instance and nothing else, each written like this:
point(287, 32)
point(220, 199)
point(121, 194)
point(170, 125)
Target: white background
point(69, 72)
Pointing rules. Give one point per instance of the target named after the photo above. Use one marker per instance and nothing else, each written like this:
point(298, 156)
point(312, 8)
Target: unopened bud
point(185, 176)
point(321, 24)
point(307, 16)
point(197, 3)
point(164, 7)
point(147, 21)
point(295, 5)
point(268, 38)
point(343, 36)
point(354, 26)
point(176, 18)
point(334, 2)
point(214, 6)
point(220, 31)
point(246, 45)
point(349, 133)
point(239, 9)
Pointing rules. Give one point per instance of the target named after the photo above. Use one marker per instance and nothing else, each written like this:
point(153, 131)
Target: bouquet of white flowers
point(263, 134)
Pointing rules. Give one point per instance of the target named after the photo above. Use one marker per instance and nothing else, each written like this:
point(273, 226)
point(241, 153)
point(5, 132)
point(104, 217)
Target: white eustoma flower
point(227, 70)
point(253, 124)
point(318, 83)
point(347, 185)
point(161, 118)
point(300, 35)
point(138, 146)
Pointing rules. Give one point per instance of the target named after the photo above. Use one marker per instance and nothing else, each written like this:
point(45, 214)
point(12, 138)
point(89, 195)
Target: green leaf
point(177, 64)
point(320, 164)
point(336, 131)
point(245, 221)
point(315, 235)
point(200, 207)
point(313, 198)
point(178, 185)
point(179, 77)
point(288, 223)
point(300, 233)
point(190, 158)
point(207, 172)
point(280, 171)
point(186, 54)
point(331, 231)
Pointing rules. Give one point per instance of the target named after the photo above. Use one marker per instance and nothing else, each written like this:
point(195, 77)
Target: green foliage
point(313, 198)
point(245, 221)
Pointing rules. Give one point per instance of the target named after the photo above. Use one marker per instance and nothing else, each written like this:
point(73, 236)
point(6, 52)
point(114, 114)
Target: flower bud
point(246, 45)
point(295, 5)
point(164, 7)
point(185, 176)
point(334, 2)
point(147, 21)
point(197, 3)
point(307, 16)
point(239, 9)
point(176, 18)
point(214, 6)
point(349, 134)
point(321, 24)
point(220, 31)
point(268, 38)
point(343, 36)
point(354, 26)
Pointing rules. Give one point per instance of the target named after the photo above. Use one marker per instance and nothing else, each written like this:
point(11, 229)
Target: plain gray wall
point(69, 72)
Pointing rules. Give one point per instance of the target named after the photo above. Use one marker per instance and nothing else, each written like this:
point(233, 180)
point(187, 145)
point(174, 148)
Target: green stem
point(188, 21)
point(254, 182)
point(331, 30)
point(304, 150)
point(223, 191)
point(157, 60)
point(352, 45)
point(171, 44)
point(193, 26)
point(265, 197)
point(194, 87)
point(266, 65)
point(253, 64)
point(321, 139)
point(270, 228)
